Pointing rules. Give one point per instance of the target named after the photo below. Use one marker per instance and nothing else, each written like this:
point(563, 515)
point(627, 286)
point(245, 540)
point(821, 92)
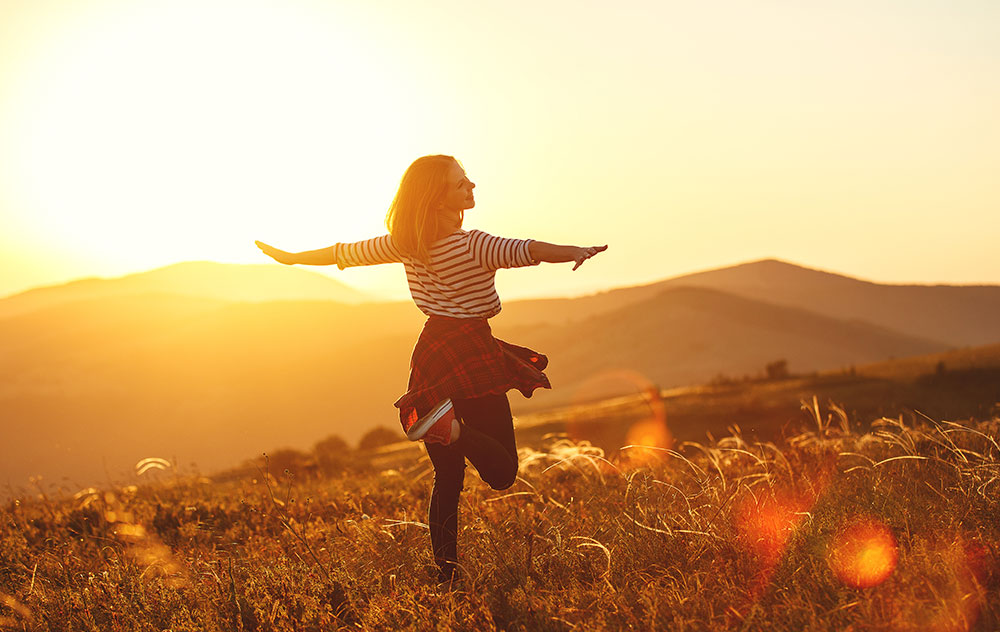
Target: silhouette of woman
point(456, 398)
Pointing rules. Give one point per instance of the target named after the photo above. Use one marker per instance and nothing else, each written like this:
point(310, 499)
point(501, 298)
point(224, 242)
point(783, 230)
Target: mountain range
point(208, 363)
point(206, 279)
point(957, 315)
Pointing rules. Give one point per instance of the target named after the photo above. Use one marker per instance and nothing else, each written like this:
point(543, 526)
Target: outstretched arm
point(321, 257)
point(359, 253)
point(552, 253)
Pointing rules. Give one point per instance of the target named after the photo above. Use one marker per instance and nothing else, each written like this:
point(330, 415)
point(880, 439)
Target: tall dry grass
point(893, 529)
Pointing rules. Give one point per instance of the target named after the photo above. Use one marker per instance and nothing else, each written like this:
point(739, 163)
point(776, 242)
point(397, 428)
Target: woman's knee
point(503, 478)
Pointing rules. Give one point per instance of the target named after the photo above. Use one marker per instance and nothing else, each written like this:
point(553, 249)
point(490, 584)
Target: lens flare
point(765, 525)
point(650, 432)
point(863, 554)
point(619, 407)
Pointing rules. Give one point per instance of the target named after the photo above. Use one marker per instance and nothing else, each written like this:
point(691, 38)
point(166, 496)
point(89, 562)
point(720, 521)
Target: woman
point(456, 398)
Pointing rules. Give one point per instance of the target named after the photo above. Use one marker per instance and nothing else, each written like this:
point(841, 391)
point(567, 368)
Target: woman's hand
point(280, 256)
point(582, 254)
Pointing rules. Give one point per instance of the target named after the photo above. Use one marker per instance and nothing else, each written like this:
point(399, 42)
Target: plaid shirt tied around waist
point(460, 358)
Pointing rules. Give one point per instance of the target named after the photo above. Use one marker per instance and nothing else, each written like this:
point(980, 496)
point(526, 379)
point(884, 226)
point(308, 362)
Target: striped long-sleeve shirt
point(459, 279)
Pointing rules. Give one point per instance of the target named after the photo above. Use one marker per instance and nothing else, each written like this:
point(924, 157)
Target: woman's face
point(458, 190)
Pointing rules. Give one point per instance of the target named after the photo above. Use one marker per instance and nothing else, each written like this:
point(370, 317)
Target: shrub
point(378, 437)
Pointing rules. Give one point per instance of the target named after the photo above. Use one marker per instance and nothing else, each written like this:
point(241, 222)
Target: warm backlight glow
point(140, 133)
point(149, 133)
point(864, 554)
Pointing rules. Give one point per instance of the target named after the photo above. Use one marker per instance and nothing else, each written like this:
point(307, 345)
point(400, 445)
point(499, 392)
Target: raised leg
point(487, 440)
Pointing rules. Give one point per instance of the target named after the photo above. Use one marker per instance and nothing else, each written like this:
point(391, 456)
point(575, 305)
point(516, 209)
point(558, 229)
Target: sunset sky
point(858, 136)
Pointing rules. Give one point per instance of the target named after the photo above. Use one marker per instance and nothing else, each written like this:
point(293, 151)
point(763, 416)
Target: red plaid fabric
point(460, 358)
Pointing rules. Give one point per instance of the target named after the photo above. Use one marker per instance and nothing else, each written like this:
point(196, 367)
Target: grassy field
point(889, 527)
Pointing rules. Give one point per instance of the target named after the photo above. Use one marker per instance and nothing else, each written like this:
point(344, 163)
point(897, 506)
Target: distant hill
point(956, 315)
point(231, 282)
point(96, 385)
point(960, 315)
point(689, 335)
point(93, 386)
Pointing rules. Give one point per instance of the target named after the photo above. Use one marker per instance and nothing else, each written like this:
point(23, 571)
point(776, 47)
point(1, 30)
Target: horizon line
point(386, 299)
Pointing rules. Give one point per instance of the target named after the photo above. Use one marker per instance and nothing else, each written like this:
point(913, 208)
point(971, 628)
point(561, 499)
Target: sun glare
point(158, 132)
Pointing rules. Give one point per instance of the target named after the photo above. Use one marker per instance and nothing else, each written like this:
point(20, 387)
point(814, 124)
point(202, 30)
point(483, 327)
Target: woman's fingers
point(587, 253)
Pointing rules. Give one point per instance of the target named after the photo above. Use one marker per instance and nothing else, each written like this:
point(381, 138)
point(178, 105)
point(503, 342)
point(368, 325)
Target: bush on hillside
point(333, 455)
point(379, 436)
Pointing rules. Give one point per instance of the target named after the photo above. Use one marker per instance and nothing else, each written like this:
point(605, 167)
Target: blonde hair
point(412, 219)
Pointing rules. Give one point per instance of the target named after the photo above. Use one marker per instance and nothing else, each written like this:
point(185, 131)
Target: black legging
point(487, 440)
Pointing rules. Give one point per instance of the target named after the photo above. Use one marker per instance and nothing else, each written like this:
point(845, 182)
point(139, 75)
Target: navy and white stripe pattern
point(459, 281)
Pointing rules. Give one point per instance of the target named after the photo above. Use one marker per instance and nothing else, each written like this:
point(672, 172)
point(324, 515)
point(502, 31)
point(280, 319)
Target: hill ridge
point(958, 315)
point(255, 282)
